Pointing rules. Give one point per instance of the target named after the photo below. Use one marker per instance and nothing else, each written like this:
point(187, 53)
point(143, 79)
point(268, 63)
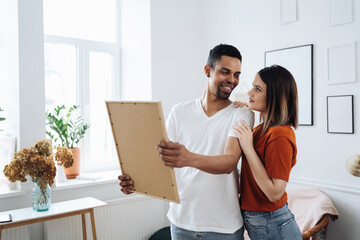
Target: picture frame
point(299, 61)
point(340, 12)
point(138, 127)
point(340, 63)
point(340, 114)
point(288, 11)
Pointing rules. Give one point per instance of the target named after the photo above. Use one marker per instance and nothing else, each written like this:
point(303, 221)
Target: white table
point(81, 206)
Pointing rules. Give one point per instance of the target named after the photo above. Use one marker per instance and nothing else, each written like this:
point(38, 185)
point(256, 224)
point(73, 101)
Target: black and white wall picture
point(299, 61)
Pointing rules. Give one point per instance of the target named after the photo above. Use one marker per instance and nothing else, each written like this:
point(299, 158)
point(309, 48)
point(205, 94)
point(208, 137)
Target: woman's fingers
point(240, 104)
point(245, 123)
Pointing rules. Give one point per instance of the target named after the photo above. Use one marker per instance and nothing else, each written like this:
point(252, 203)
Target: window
point(82, 68)
point(93, 20)
point(7, 149)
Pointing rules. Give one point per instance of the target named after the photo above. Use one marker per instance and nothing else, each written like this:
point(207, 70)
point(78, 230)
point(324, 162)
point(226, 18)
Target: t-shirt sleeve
point(170, 126)
point(279, 158)
point(248, 116)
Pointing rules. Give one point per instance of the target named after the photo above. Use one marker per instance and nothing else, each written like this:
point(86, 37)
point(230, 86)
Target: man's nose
point(231, 79)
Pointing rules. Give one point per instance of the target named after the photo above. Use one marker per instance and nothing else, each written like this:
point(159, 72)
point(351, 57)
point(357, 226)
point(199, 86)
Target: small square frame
point(340, 114)
point(288, 11)
point(340, 12)
point(341, 63)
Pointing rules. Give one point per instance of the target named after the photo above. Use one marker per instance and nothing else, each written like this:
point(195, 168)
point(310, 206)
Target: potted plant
point(2, 118)
point(66, 130)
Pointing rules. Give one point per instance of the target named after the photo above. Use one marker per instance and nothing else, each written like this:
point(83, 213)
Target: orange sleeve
point(279, 157)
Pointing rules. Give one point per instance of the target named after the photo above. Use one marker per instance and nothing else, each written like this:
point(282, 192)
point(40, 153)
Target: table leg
point(83, 225)
point(0, 232)
point(93, 223)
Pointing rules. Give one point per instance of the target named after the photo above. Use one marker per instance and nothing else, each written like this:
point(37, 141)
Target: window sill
point(88, 179)
point(12, 194)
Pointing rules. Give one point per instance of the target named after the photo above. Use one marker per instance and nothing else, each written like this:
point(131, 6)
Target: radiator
point(131, 218)
point(18, 233)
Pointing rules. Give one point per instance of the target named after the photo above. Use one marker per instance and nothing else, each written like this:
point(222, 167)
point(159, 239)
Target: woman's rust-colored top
point(276, 149)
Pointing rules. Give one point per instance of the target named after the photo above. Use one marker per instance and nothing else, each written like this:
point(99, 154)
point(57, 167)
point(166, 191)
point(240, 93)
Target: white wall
point(184, 31)
point(31, 72)
point(178, 53)
point(134, 38)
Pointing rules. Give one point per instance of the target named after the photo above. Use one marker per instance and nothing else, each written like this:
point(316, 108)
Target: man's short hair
point(222, 50)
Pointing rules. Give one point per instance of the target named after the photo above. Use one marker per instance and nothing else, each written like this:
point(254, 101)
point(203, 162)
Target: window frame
point(83, 49)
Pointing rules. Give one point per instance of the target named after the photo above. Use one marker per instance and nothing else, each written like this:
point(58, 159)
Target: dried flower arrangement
point(64, 157)
point(36, 162)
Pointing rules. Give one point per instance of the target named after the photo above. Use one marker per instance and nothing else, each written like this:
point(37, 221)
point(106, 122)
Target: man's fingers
point(169, 161)
point(124, 177)
point(168, 158)
point(165, 144)
point(165, 151)
point(168, 144)
point(126, 183)
point(126, 191)
point(169, 164)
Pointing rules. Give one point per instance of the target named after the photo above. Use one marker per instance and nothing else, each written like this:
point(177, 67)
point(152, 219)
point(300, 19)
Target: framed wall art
point(340, 114)
point(299, 61)
point(340, 12)
point(340, 63)
point(288, 11)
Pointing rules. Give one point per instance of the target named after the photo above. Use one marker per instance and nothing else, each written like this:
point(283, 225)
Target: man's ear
point(207, 70)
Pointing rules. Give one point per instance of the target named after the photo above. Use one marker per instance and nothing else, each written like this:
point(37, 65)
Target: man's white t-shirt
point(208, 202)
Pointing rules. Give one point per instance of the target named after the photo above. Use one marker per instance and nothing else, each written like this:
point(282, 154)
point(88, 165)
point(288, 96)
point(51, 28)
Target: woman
point(269, 153)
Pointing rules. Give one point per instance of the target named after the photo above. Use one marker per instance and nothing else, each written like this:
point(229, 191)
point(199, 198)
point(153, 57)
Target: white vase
point(60, 174)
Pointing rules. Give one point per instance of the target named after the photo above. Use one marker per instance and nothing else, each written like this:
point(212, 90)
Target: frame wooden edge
point(172, 173)
point(112, 132)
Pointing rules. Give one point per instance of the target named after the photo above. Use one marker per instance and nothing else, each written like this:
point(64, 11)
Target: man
point(204, 150)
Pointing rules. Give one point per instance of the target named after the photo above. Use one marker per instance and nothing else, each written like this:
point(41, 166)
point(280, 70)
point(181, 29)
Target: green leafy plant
point(2, 118)
point(67, 127)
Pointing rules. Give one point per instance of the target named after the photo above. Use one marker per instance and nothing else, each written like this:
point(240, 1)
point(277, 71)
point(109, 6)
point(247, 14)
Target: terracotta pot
point(74, 171)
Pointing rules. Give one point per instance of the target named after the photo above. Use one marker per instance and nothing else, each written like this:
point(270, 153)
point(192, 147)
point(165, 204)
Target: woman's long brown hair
point(281, 97)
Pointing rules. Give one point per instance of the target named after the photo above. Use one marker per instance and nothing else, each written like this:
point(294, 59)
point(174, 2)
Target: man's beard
point(222, 95)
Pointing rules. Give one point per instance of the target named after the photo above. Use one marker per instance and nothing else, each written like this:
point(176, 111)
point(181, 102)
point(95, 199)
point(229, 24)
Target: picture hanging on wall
point(340, 12)
point(340, 114)
point(340, 63)
point(299, 61)
point(288, 11)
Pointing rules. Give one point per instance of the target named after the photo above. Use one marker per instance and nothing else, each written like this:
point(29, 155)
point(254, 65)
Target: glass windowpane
point(84, 19)
point(101, 88)
point(60, 75)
